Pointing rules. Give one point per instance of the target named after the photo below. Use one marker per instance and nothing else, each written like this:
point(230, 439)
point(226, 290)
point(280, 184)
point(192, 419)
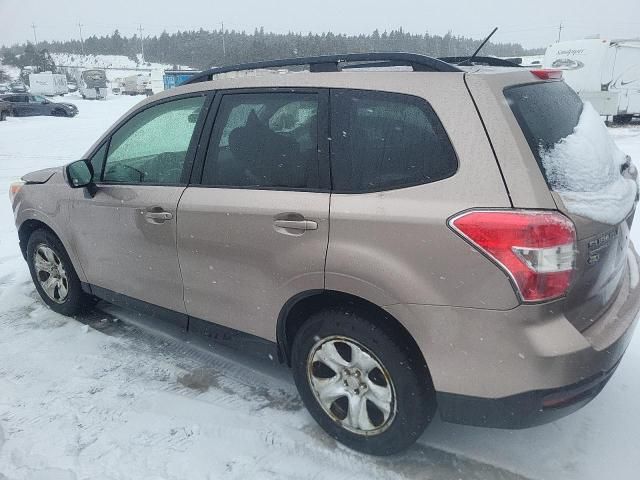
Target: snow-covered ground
point(103, 397)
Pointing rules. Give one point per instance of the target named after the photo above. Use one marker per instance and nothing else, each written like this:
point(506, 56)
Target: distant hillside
point(116, 66)
point(203, 48)
point(105, 61)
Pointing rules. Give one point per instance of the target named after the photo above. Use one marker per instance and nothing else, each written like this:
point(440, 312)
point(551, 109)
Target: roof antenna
point(469, 61)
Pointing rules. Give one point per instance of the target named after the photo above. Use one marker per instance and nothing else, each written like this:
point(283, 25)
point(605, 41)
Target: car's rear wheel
point(363, 385)
point(54, 276)
point(3, 116)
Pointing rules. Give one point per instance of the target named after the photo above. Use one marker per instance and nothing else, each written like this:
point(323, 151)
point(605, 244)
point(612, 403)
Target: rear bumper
point(522, 410)
point(521, 367)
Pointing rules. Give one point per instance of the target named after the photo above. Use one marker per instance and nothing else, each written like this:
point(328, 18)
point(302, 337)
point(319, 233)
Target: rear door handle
point(296, 224)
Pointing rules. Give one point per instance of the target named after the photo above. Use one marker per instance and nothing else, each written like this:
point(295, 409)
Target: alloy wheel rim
point(51, 273)
point(351, 385)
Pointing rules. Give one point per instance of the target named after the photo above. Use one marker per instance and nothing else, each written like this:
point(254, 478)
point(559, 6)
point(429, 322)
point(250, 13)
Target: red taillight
point(548, 74)
point(536, 248)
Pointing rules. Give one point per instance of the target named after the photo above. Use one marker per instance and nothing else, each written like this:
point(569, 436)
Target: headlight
point(14, 188)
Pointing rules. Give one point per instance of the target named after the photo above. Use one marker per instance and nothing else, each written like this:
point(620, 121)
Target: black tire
point(3, 116)
point(59, 113)
point(415, 400)
point(76, 301)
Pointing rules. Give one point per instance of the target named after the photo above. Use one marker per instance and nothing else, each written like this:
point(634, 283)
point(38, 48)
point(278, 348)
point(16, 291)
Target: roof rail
point(490, 61)
point(336, 63)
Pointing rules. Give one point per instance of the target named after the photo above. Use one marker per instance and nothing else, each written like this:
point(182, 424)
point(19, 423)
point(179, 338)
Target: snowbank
point(584, 168)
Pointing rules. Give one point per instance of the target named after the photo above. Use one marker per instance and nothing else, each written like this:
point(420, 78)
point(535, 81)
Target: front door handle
point(158, 217)
point(296, 224)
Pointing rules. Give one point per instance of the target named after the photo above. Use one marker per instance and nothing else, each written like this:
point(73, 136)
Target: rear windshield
point(546, 112)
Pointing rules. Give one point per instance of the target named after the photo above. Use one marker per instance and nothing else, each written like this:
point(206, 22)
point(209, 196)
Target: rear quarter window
point(547, 112)
point(382, 141)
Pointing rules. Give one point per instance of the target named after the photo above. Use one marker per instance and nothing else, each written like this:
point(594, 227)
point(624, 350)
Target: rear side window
point(264, 140)
point(546, 112)
point(382, 141)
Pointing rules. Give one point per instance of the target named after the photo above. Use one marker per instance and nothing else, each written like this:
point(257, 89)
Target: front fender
point(37, 203)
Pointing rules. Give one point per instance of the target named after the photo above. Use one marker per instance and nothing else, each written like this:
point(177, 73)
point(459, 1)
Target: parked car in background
point(117, 86)
point(356, 251)
point(18, 87)
point(27, 105)
point(6, 110)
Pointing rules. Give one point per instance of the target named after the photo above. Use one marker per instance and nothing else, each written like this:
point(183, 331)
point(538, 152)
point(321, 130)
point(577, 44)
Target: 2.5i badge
point(597, 245)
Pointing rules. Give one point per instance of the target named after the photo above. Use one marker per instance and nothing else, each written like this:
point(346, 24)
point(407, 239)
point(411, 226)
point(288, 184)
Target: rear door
point(590, 182)
point(253, 227)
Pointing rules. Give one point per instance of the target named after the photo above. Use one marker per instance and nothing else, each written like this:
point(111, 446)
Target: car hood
point(40, 176)
point(68, 105)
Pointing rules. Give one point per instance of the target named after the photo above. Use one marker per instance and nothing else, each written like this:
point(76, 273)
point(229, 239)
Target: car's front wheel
point(59, 113)
point(363, 385)
point(54, 276)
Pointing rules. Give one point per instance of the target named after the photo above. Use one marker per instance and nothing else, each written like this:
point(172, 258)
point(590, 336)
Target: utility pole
point(559, 31)
point(140, 29)
point(35, 38)
point(81, 39)
point(224, 48)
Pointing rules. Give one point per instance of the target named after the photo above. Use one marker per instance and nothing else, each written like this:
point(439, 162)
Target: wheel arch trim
point(301, 305)
point(30, 221)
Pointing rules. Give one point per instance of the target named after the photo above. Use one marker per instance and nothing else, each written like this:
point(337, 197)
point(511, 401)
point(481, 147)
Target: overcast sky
point(531, 23)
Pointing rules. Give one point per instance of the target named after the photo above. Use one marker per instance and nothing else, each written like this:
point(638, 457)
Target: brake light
point(536, 249)
point(548, 74)
point(14, 188)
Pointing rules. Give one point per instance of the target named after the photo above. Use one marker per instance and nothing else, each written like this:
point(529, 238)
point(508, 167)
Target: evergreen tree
point(203, 48)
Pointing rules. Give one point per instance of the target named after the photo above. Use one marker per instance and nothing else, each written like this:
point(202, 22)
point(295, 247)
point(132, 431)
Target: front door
point(254, 232)
point(126, 232)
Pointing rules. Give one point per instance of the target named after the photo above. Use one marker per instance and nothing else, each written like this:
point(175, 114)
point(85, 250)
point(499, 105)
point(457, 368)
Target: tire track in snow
point(235, 381)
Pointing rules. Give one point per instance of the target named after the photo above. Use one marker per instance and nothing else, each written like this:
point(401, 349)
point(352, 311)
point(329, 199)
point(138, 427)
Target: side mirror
point(80, 174)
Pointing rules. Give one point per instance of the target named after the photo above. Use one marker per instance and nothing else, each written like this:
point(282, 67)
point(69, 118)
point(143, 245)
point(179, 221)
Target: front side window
point(264, 140)
point(152, 146)
point(383, 140)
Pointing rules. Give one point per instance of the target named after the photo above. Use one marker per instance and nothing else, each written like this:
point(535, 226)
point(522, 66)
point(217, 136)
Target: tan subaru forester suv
point(406, 234)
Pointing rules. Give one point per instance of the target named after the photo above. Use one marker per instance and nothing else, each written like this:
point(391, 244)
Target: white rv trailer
point(48, 83)
point(93, 84)
point(136, 84)
point(603, 72)
point(157, 81)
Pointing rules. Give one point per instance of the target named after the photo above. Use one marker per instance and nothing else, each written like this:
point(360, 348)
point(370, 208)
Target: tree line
point(203, 48)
